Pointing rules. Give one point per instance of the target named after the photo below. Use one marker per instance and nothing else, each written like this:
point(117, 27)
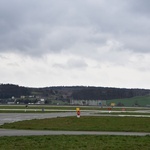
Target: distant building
point(12, 97)
point(112, 104)
point(22, 97)
point(10, 103)
point(31, 96)
point(41, 101)
point(88, 102)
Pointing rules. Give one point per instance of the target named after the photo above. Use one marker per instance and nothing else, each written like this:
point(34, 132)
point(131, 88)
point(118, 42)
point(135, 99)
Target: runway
point(13, 117)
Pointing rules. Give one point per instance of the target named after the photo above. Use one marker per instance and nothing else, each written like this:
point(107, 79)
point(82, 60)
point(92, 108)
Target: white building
point(88, 102)
point(41, 101)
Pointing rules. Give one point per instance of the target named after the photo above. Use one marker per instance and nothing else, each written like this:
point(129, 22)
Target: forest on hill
point(65, 93)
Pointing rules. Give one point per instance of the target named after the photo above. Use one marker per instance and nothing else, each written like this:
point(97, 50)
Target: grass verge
point(86, 123)
point(80, 142)
point(63, 107)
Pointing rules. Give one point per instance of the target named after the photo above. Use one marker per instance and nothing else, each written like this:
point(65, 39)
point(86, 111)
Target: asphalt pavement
point(9, 132)
point(13, 117)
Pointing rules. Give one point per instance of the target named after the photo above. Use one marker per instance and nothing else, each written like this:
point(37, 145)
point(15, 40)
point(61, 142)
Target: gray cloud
point(72, 64)
point(39, 27)
point(67, 42)
point(140, 7)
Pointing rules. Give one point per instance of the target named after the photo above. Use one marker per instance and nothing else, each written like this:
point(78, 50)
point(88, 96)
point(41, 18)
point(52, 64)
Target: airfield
point(41, 112)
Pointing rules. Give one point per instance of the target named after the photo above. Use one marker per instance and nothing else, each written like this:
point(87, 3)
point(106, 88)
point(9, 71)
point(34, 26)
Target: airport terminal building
point(88, 102)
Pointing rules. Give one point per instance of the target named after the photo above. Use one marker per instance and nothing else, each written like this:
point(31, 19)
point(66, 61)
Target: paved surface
point(13, 117)
point(9, 132)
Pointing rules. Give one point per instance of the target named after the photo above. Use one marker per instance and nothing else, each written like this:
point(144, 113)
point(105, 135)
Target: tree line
point(70, 92)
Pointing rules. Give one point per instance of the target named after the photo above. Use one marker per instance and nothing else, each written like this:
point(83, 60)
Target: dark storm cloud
point(38, 27)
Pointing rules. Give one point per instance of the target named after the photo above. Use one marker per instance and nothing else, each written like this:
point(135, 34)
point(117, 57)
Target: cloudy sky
point(75, 42)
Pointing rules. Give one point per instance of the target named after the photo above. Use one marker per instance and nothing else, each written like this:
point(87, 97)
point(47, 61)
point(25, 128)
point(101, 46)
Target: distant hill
point(106, 93)
point(9, 90)
point(65, 93)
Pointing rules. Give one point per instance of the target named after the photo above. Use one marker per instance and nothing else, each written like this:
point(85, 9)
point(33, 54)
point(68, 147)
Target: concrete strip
point(9, 132)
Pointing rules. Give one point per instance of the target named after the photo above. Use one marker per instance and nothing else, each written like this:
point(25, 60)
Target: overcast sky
point(75, 42)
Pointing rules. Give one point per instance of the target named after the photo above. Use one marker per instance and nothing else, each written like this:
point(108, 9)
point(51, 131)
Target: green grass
point(61, 107)
point(39, 108)
point(80, 142)
point(48, 107)
point(124, 113)
point(28, 111)
point(127, 124)
point(140, 100)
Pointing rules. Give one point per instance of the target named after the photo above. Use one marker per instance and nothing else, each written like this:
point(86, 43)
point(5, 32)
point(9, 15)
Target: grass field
point(50, 107)
point(124, 113)
point(81, 142)
point(58, 107)
point(141, 101)
point(66, 142)
point(127, 124)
